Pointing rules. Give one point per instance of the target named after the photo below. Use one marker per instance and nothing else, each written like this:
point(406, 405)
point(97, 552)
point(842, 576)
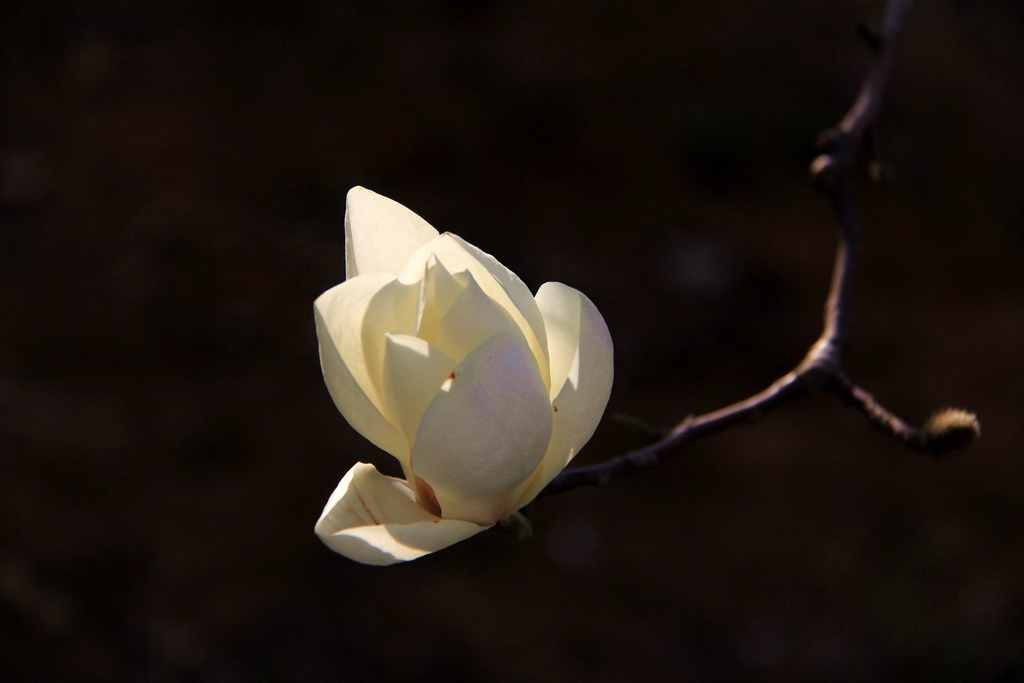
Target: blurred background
point(172, 186)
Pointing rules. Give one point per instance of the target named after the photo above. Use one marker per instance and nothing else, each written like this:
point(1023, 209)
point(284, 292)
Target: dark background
point(172, 184)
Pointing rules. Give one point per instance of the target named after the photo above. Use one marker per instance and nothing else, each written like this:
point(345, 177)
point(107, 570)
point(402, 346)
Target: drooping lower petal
point(581, 365)
point(485, 433)
point(375, 519)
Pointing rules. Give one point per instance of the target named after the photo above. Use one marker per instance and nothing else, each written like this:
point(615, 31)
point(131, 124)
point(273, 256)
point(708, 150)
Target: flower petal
point(472, 319)
point(414, 371)
point(485, 433)
point(392, 309)
point(581, 373)
point(438, 290)
point(497, 281)
point(337, 312)
point(380, 234)
point(375, 519)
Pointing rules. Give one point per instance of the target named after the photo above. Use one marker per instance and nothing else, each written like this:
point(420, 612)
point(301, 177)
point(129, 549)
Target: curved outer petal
point(581, 376)
point(338, 313)
point(485, 433)
point(375, 519)
point(380, 233)
point(497, 281)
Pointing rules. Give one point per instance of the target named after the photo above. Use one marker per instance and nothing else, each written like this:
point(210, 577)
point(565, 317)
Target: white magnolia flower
point(439, 355)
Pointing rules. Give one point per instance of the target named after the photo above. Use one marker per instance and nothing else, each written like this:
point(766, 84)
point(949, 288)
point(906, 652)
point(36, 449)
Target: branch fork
point(821, 370)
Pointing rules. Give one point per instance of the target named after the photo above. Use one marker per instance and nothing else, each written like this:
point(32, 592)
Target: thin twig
point(821, 369)
point(880, 418)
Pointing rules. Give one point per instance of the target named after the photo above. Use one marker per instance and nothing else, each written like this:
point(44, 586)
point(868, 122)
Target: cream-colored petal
point(497, 281)
point(413, 374)
point(485, 433)
point(561, 307)
point(581, 363)
point(375, 519)
point(472, 319)
point(438, 290)
point(392, 309)
point(338, 313)
point(380, 234)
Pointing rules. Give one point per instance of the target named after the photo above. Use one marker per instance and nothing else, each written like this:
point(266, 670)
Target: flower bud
point(950, 430)
point(439, 355)
point(515, 527)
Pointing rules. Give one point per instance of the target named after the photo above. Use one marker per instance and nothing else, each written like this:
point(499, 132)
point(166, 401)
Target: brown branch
point(821, 369)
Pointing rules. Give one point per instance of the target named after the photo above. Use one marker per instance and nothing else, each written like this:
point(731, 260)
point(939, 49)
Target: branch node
point(821, 364)
point(826, 173)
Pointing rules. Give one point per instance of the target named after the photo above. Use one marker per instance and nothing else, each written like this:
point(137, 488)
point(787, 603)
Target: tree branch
point(821, 368)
